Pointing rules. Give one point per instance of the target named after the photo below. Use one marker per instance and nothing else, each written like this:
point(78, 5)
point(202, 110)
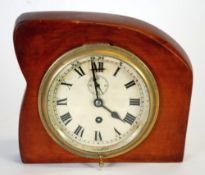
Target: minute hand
point(94, 79)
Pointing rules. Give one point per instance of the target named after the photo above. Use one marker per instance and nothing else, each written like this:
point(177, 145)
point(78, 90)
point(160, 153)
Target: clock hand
point(94, 79)
point(99, 103)
point(98, 86)
point(113, 113)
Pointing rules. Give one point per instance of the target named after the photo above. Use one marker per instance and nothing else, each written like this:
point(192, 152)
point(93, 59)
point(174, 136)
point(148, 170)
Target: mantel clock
point(100, 87)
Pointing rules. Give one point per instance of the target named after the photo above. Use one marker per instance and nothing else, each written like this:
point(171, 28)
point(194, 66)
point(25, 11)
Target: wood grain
point(40, 38)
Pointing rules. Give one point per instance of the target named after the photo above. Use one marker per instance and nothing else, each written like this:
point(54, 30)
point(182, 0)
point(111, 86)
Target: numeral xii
point(98, 66)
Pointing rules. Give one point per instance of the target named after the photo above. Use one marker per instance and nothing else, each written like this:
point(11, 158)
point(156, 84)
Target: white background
point(184, 20)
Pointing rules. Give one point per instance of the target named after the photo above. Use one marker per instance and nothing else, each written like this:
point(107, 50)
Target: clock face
point(96, 101)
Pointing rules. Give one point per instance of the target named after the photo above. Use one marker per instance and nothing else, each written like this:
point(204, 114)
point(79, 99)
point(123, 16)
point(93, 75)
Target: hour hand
point(99, 103)
point(115, 115)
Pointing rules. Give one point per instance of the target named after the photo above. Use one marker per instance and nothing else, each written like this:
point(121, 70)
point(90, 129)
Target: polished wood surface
point(40, 38)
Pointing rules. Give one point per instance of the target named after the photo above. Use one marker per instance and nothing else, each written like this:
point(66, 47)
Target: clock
point(100, 88)
point(98, 100)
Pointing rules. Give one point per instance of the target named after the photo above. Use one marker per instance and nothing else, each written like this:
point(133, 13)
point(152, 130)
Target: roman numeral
point(130, 84)
point(66, 84)
point(129, 118)
point(80, 71)
point(97, 66)
point(62, 101)
point(135, 101)
point(116, 131)
point(66, 118)
point(79, 131)
point(117, 70)
point(98, 136)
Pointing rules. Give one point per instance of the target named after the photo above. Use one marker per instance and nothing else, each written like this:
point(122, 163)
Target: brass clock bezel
point(103, 49)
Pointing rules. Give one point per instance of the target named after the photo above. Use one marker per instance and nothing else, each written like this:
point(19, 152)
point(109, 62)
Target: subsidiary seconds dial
point(97, 103)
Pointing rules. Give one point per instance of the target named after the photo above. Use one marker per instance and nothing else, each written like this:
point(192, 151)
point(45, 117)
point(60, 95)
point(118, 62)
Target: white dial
point(121, 107)
point(98, 103)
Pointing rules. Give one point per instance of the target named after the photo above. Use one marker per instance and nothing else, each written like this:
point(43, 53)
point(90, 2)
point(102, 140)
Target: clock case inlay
point(41, 37)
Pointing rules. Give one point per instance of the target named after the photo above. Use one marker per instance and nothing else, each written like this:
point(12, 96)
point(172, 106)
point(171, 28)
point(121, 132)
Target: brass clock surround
point(104, 50)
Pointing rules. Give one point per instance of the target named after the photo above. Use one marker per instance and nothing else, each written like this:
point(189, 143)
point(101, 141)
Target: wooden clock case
point(40, 38)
